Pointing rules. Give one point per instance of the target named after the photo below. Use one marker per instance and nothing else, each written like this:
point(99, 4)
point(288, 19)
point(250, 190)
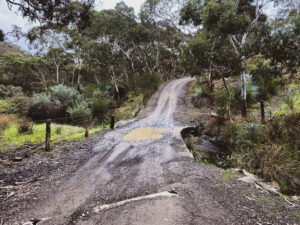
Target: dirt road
point(144, 174)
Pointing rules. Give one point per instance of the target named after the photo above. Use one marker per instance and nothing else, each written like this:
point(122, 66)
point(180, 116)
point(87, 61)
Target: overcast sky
point(9, 18)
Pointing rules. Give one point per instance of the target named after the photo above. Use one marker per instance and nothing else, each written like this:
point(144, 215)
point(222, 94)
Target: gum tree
point(234, 21)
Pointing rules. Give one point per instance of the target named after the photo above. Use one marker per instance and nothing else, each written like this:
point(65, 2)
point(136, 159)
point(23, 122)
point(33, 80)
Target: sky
point(9, 18)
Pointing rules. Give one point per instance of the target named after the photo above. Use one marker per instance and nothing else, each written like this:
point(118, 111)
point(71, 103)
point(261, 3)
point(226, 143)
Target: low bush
point(147, 84)
point(80, 113)
point(9, 91)
point(53, 104)
point(20, 105)
point(235, 98)
point(202, 94)
point(42, 107)
point(272, 151)
point(25, 126)
point(101, 102)
point(148, 81)
point(66, 96)
point(222, 100)
point(5, 106)
point(5, 120)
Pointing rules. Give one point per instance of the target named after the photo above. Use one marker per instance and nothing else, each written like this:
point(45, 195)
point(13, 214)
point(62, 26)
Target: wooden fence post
point(262, 111)
point(112, 121)
point(86, 134)
point(48, 135)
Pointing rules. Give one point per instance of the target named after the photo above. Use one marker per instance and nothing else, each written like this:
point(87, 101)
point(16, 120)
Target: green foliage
point(128, 106)
point(148, 83)
point(63, 94)
point(235, 97)
point(39, 99)
point(291, 102)
point(9, 91)
point(5, 106)
point(202, 91)
point(80, 109)
point(272, 151)
point(265, 77)
point(101, 102)
point(20, 105)
point(222, 99)
point(18, 69)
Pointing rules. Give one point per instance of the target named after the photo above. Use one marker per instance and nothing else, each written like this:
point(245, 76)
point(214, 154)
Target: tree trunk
point(57, 74)
point(228, 107)
point(73, 75)
point(78, 78)
point(243, 89)
point(133, 75)
point(244, 95)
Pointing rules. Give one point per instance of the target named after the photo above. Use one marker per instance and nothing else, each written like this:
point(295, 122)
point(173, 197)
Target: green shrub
point(39, 99)
point(150, 81)
point(89, 90)
point(63, 94)
point(20, 105)
point(101, 102)
point(272, 150)
point(202, 91)
point(5, 106)
point(9, 91)
point(222, 100)
point(235, 98)
point(25, 126)
point(42, 107)
point(80, 113)
point(147, 84)
point(242, 137)
point(100, 106)
point(265, 77)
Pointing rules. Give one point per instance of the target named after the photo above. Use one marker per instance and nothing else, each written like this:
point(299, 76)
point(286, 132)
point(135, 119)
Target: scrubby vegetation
point(241, 58)
point(270, 150)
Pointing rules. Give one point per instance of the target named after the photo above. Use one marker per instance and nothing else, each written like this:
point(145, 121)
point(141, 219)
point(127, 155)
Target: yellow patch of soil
point(144, 133)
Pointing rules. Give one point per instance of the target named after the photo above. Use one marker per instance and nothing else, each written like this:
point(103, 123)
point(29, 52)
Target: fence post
point(48, 135)
point(86, 134)
point(112, 121)
point(262, 111)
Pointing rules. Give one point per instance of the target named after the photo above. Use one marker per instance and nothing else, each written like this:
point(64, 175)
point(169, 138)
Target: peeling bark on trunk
point(228, 107)
point(243, 90)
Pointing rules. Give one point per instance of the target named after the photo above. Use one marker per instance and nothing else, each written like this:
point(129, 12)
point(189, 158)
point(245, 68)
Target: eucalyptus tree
point(235, 22)
point(28, 72)
point(53, 13)
point(282, 44)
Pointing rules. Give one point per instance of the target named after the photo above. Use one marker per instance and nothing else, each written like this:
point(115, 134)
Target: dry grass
point(5, 120)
